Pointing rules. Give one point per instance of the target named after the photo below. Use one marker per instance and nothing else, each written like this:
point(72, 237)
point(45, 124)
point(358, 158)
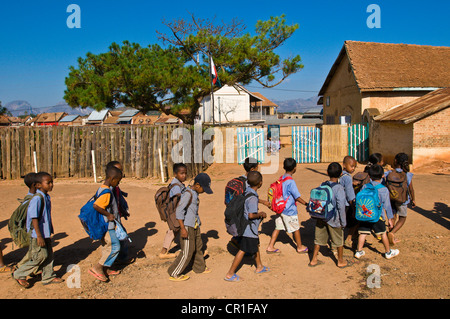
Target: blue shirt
point(291, 193)
point(177, 189)
point(409, 177)
point(385, 200)
point(347, 181)
point(251, 207)
point(45, 220)
point(338, 200)
point(188, 213)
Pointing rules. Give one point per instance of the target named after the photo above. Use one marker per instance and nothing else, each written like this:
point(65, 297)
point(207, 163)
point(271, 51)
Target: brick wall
point(433, 131)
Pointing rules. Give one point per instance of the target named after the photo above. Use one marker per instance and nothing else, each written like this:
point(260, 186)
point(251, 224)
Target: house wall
point(390, 139)
point(431, 138)
point(229, 106)
point(384, 101)
point(344, 96)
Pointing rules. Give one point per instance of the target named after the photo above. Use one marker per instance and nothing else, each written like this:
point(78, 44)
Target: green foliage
point(175, 78)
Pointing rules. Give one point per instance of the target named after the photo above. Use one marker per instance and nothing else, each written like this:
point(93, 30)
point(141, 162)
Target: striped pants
point(190, 248)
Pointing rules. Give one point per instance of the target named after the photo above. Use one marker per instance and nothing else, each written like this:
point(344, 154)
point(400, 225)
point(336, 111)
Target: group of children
point(110, 202)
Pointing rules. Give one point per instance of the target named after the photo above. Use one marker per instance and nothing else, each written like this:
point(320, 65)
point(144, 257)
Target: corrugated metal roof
point(128, 113)
point(69, 118)
point(97, 115)
point(418, 109)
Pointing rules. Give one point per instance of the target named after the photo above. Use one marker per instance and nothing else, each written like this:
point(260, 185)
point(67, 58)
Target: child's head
point(401, 160)
point(114, 164)
point(290, 165)
point(334, 170)
point(250, 164)
point(376, 172)
point(202, 183)
point(349, 164)
point(30, 181)
point(376, 158)
point(113, 176)
point(180, 171)
point(44, 182)
point(254, 179)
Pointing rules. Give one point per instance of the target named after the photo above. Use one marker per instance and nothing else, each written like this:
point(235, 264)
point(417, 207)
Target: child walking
point(39, 222)
point(177, 187)
point(332, 229)
point(250, 165)
point(349, 165)
point(122, 207)
point(379, 227)
point(401, 165)
point(249, 241)
point(288, 219)
point(190, 241)
point(107, 206)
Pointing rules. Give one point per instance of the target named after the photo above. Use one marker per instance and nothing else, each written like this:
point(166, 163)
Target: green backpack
point(17, 224)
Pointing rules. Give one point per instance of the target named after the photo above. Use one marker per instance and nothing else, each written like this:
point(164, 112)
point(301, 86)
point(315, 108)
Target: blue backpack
point(368, 205)
point(93, 222)
point(320, 205)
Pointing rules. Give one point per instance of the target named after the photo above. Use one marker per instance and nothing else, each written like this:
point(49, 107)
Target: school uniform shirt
point(409, 177)
point(338, 201)
point(291, 193)
point(176, 190)
point(347, 181)
point(108, 203)
point(45, 220)
point(385, 200)
point(188, 214)
point(251, 207)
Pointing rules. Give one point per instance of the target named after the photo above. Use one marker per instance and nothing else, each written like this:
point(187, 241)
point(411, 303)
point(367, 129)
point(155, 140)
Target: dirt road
point(420, 271)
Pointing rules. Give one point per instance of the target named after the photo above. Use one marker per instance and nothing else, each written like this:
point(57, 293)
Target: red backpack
point(275, 195)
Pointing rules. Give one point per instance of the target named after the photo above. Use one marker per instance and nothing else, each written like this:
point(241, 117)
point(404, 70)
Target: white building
point(234, 104)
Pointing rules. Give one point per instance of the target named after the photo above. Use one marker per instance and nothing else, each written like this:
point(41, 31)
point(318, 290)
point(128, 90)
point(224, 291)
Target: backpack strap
point(41, 209)
point(247, 196)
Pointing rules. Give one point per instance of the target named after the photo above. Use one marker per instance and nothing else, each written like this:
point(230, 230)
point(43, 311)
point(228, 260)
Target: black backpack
point(235, 221)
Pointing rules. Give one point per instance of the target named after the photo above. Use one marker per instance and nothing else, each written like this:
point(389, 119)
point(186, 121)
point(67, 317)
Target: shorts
point(249, 245)
point(378, 228)
point(323, 232)
point(288, 223)
point(400, 210)
point(350, 215)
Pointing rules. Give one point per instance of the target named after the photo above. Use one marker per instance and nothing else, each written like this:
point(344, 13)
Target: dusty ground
point(420, 271)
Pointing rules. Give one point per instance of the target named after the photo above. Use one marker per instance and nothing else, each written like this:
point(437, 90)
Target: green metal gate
point(358, 141)
point(306, 144)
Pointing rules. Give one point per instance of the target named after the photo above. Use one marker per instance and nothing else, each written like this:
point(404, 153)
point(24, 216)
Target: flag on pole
point(215, 76)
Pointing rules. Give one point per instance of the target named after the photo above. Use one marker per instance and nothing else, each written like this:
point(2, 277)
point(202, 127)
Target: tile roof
point(49, 117)
point(417, 109)
point(387, 67)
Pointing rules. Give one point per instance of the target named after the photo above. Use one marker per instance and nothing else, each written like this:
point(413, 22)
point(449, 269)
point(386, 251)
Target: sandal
point(304, 251)
point(349, 264)
point(56, 280)
point(234, 278)
point(265, 269)
point(276, 251)
point(97, 276)
point(112, 273)
point(319, 262)
point(6, 269)
point(179, 278)
point(21, 282)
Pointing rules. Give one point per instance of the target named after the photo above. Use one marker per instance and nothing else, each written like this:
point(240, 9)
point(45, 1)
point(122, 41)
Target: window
point(327, 101)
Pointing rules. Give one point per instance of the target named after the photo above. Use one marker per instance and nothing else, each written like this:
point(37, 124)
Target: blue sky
point(37, 47)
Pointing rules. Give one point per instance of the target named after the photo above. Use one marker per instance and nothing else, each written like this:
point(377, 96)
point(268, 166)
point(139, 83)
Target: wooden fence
point(66, 151)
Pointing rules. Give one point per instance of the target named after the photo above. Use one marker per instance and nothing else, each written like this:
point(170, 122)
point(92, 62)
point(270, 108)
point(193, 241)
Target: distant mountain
point(21, 107)
point(297, 105)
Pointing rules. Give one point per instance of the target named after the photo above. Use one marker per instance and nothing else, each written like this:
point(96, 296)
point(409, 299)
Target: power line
point(289, 90)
